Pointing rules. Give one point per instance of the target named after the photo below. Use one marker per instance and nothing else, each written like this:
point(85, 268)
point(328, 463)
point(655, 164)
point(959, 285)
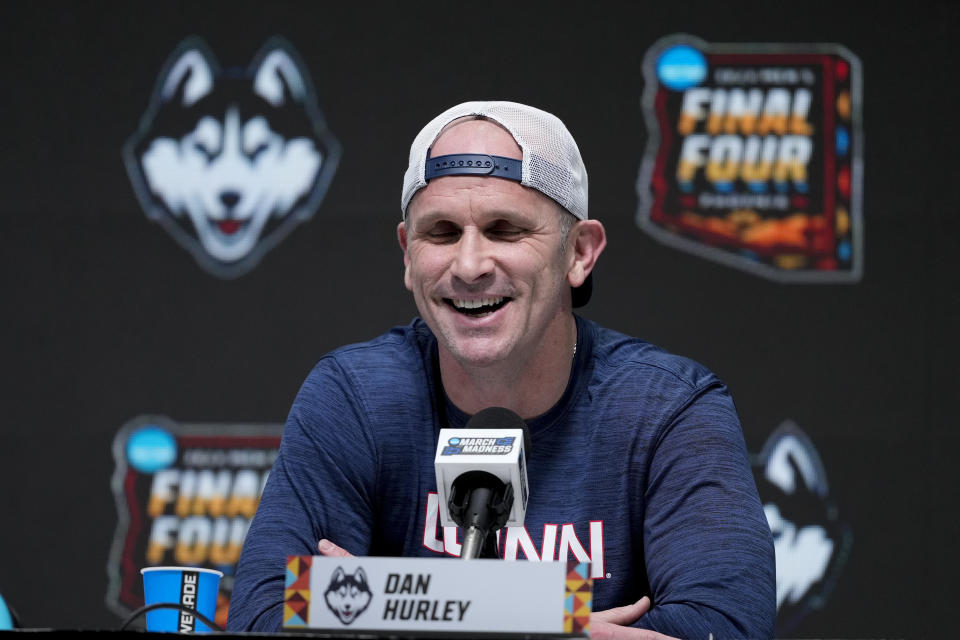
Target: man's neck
point(529, 387)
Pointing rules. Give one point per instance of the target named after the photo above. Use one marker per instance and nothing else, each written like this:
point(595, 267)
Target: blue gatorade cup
point(192, 588)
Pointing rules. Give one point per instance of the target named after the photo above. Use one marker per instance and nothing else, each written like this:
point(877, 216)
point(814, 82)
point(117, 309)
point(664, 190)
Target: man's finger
point(623, 615)
point(327, 548)
point(609, 631)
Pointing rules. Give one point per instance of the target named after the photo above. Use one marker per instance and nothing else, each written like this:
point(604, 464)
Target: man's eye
point(443, 232)
point(505, 231)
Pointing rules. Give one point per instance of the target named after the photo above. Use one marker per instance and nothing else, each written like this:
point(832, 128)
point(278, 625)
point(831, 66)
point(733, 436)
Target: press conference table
point(340, 634)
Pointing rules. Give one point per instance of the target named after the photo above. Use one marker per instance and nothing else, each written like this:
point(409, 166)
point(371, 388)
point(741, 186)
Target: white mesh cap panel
point(551, 159)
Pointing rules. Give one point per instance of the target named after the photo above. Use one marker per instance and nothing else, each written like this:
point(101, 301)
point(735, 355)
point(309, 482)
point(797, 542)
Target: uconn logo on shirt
point(560, 541)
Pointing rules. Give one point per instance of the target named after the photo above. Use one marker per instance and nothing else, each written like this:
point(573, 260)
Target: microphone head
point(500, 418)
point(478, 447)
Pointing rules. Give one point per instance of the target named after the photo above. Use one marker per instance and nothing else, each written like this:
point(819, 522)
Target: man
point(637, 455)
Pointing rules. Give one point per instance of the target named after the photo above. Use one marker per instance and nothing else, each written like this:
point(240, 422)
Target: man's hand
point(611, 624)
point(604, 625)
point(331, 550)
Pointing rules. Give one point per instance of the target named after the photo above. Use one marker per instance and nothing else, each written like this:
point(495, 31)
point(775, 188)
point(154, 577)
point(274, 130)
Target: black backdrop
point(106, 317)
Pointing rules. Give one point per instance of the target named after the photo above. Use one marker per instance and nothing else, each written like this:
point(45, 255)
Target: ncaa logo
point(229, 160)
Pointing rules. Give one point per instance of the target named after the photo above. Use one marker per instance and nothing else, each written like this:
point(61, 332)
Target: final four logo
point(228, 161)
point(185, 496)
point(754, 156)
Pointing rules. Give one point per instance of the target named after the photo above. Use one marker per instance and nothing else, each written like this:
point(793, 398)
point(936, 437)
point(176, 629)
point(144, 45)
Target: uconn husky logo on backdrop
point(811, 541)
point(230, 160)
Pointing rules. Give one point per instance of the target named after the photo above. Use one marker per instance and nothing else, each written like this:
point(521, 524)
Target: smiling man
point(490, 263)
point(638, 462)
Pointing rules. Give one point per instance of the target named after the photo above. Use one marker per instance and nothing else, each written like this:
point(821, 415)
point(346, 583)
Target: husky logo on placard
point(348, 594)
point(754, 156)
point(810, 541)
point(230, 160)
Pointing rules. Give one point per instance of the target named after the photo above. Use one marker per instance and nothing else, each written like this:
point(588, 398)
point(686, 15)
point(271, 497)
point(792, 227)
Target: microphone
point(482, 478)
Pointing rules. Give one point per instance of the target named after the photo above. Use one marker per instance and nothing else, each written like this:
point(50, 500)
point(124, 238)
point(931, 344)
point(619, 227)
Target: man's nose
point(473, 259)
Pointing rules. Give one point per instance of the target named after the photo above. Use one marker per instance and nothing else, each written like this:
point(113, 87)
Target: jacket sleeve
point(707, 544)
point(322, 485)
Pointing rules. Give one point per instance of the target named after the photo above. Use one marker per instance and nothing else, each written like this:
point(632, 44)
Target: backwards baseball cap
point(551, 161)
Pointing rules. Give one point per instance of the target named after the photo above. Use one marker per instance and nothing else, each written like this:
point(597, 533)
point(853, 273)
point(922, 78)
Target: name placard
point(436, 594)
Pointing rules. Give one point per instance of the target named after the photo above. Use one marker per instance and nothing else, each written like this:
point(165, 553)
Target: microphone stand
point(476, 544)
point(480, 503)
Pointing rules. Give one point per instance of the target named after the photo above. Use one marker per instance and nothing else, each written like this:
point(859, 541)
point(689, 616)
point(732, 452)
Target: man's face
point(484, 260)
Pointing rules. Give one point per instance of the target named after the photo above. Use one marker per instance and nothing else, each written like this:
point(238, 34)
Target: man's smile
point(477, 308)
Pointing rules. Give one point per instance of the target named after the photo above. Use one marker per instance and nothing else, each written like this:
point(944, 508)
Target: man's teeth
point(476, 304)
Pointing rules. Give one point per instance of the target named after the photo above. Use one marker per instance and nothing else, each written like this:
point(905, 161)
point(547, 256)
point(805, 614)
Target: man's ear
point(402, 239)
point(586, 242)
